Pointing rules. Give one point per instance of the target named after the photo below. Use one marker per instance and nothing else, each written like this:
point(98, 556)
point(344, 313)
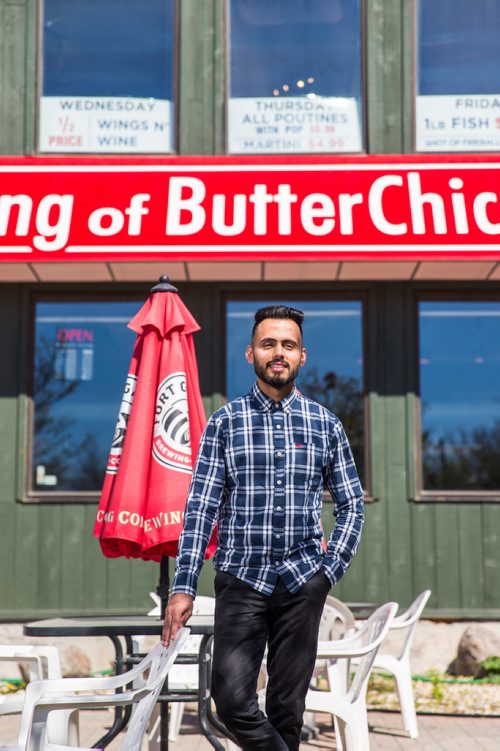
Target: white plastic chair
point(186, 676)
point(336, 615)
point(46, 696)
point(183, 677)
point(348, 702)
point(399, 666)
point(42, 662)
point(337, 622)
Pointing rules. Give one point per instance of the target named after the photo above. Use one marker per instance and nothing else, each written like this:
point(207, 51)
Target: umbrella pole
point(163, 585)
point(162, 592)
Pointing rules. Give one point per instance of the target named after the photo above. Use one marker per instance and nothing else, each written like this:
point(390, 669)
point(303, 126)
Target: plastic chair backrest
point(203, 605)
point(369, 637)
point(46, 696)
point(335, 611)
point(158, 661)
point(42, 661)
point(409, 619)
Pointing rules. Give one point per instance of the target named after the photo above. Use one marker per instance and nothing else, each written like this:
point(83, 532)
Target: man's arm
point(345, 488)
point(204, 497)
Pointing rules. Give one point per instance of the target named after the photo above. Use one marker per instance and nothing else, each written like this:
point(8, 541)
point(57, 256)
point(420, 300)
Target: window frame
point(363, 120)
point(40, 9)
point(415, 89)
point(25, 492)
point(421, 495)
point(294, 292)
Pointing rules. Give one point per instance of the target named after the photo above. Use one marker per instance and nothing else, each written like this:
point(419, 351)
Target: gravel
point(470, 699)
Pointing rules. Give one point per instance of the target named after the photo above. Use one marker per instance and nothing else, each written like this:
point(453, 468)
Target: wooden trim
point(457, 496)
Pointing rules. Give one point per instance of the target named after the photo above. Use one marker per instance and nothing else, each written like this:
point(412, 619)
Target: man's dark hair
point(278, 311)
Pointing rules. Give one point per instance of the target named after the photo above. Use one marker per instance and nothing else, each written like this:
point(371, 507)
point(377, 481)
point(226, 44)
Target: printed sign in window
point(106, 82)
point(458, 123)
point(293, 124)
point(105, 125)
point(458, 57)
point(74, 354)
point(295, 77)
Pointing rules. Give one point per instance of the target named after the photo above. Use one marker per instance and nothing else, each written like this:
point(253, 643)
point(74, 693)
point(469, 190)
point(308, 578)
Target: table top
point(112, 626)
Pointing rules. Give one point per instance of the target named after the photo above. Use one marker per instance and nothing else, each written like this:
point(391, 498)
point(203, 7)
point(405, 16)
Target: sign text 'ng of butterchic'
point(230, 208)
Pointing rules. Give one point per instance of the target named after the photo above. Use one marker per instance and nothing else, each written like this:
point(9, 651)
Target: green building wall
point(50, 562)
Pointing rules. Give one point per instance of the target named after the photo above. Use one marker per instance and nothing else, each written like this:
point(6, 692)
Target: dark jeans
point(244, 621)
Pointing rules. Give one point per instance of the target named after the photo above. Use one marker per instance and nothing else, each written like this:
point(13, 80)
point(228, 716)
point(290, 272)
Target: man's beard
point(278, 379)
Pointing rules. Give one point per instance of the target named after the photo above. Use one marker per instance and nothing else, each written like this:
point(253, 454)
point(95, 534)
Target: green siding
point(384, 76)
point(50, 562)
point(12, 76)
point(197, 67)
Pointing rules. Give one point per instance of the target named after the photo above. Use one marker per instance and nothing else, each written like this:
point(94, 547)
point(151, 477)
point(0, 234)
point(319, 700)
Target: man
point(262, 464)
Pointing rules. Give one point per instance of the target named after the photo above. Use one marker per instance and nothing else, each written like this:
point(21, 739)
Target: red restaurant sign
point(240, 208)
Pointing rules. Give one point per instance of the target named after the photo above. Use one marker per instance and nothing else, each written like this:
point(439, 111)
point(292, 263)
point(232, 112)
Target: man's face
point(276, 352)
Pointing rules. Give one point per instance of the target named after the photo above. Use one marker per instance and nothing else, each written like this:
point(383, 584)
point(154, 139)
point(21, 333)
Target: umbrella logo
point(121, 424)
point(171, 446)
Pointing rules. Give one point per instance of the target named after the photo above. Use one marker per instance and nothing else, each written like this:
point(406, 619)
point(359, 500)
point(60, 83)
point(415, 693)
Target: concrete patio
point(437, 733)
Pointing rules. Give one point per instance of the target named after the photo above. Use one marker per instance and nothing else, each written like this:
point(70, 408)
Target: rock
point(74, 662)
point(477, 643)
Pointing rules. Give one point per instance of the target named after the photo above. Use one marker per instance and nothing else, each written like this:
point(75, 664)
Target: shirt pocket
point(306, 459)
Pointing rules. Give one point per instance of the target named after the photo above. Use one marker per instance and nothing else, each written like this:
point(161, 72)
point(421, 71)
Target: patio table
point(117, 628)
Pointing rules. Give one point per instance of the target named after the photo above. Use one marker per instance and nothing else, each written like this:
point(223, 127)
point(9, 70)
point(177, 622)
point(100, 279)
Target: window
point(458, 90)
point(295, 80)
point(333, 373)
point(460, 403)
point(107, 76)
point(81, 359)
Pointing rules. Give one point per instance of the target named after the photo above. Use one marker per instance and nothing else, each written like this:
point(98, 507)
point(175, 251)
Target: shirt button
point(277, 536)
point(279, 508)
point(276, 563)
point(278, 426)
point(279, 453)
point(278, 482)
point(277, 405)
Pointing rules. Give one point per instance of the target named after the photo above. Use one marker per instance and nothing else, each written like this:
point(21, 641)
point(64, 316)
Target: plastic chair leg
point(340, 733)
point(338, 736)
point(357, 737)
point(406, 699)
point(309, 726)
point(37, 736)
point(152, 736)
point(63, 727)
point(174, 725)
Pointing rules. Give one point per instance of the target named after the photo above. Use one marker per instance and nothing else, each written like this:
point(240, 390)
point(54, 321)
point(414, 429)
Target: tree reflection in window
point(342, 395)
point(333, 373)
point(459, 376)
point(82, 353)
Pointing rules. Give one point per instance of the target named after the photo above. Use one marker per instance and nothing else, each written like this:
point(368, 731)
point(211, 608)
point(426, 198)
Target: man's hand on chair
point(178, 611)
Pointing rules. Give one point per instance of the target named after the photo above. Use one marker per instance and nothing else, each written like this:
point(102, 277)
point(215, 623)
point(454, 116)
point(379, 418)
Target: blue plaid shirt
point(259, 474)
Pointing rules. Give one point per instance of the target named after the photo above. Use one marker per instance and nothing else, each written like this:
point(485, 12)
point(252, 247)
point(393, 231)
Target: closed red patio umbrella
point(160, 422)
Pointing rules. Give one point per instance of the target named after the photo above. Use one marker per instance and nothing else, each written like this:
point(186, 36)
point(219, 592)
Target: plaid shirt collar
point(265, 403)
